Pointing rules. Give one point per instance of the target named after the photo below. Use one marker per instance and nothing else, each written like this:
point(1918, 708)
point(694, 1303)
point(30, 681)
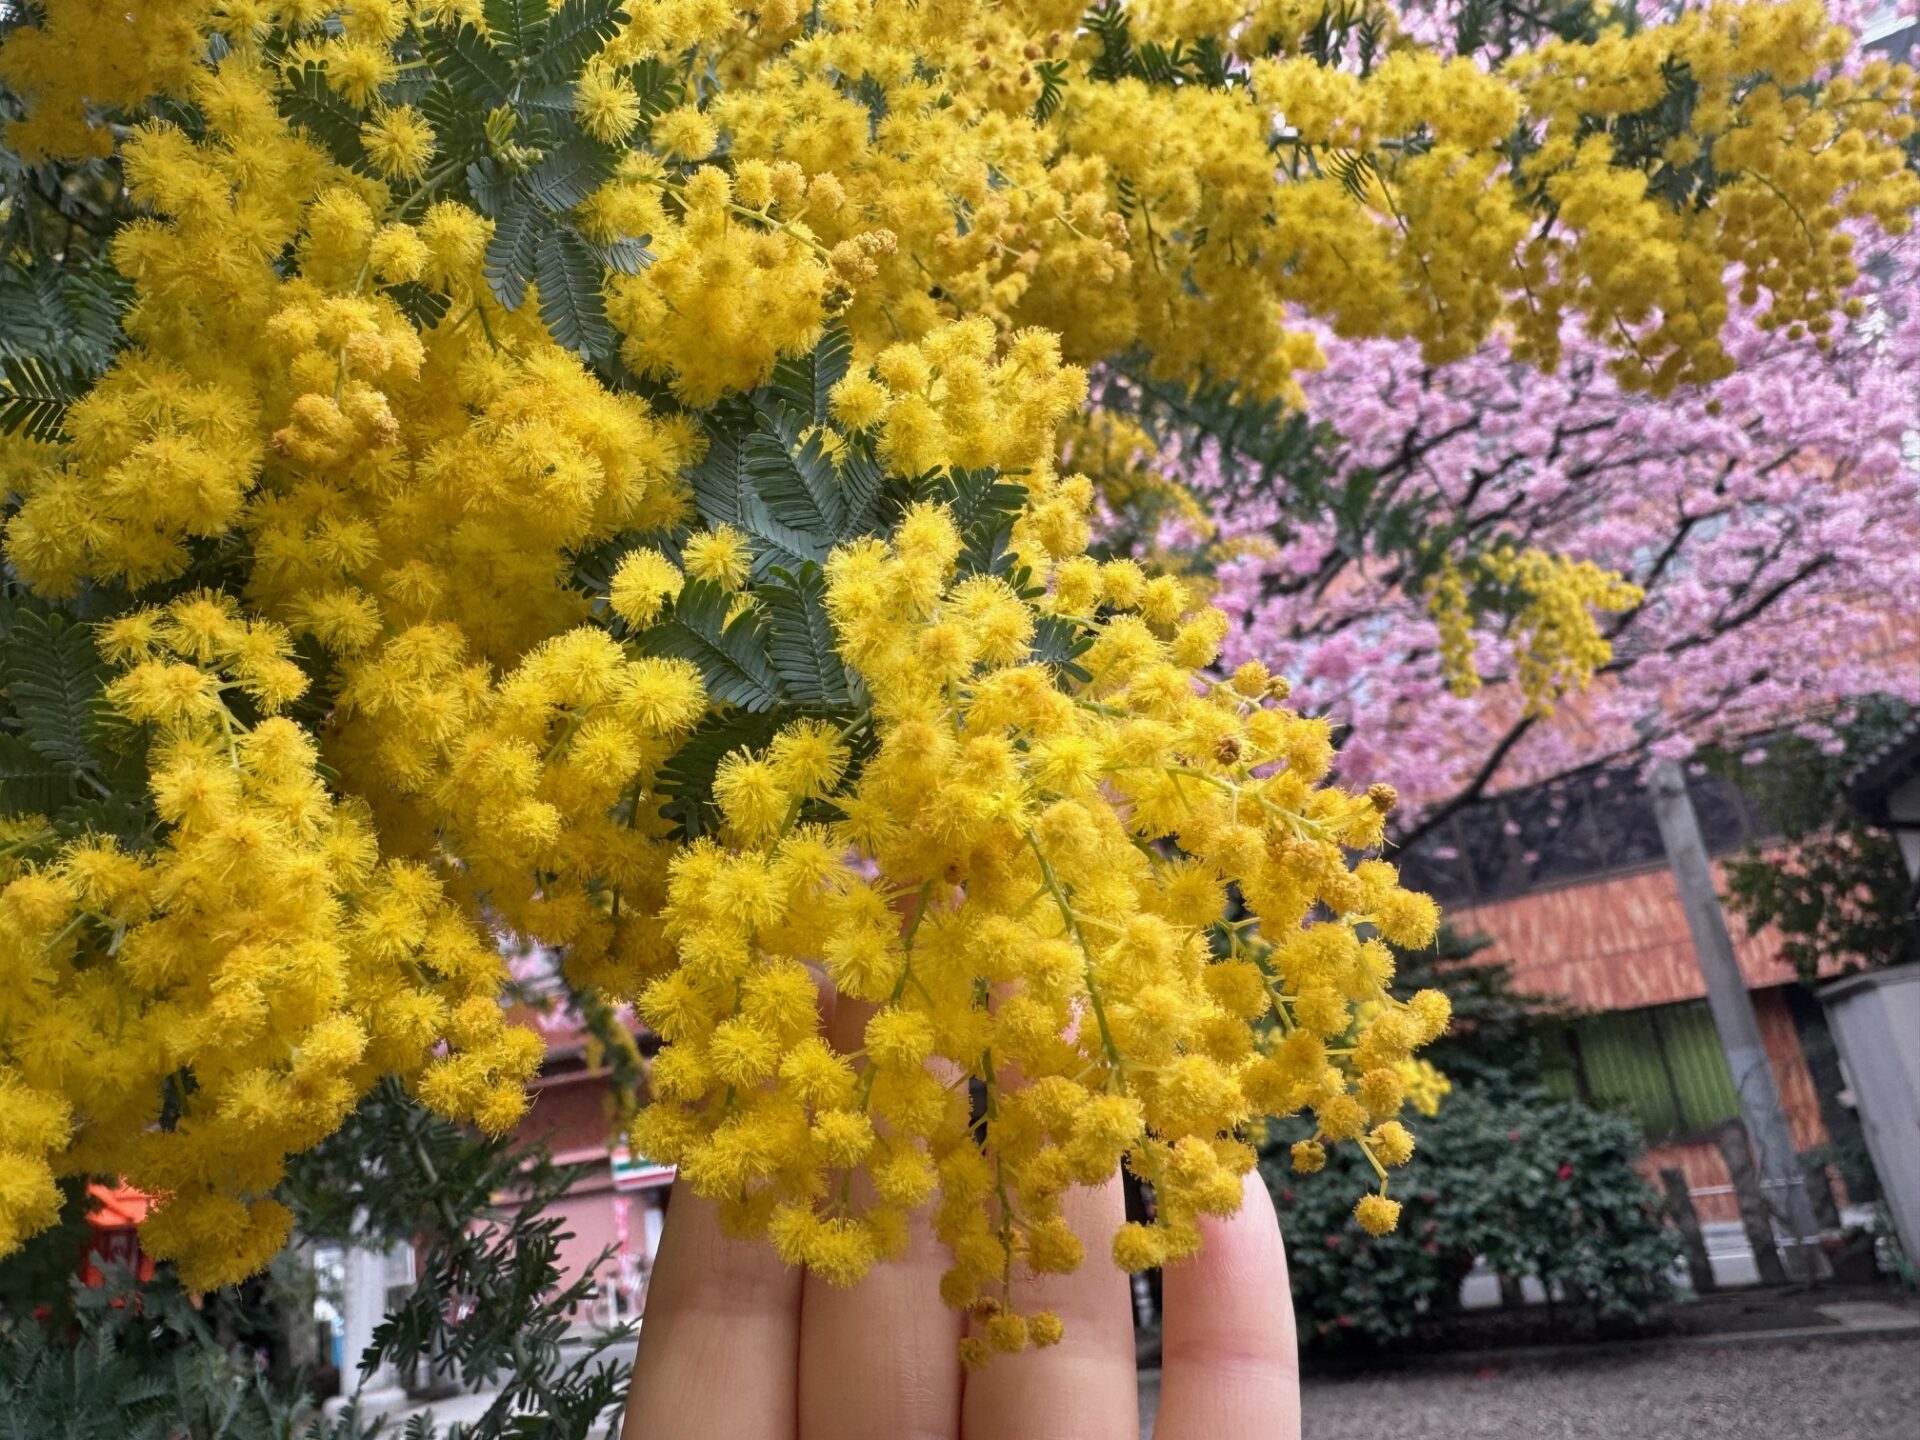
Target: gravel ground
point(1857, 1390)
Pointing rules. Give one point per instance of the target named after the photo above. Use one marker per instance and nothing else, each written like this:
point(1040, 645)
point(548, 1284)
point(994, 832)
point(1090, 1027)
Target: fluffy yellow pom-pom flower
point(1377, 1214)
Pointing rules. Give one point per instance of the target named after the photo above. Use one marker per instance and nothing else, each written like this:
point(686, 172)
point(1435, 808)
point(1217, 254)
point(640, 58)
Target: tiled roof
point(1885, 770)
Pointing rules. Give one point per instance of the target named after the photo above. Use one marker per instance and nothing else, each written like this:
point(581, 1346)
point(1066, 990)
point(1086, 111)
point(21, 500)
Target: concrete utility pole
point(1781, 1180)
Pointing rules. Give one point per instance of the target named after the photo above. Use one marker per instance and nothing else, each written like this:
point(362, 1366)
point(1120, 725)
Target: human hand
point(737, 1345)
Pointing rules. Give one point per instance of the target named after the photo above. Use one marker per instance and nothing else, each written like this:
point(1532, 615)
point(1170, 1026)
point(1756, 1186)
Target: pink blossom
point(1771, 519)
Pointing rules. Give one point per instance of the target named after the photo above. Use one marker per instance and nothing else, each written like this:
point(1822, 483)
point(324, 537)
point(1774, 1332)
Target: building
point(1876, 1016)
point(614, 1212)
point(1570, 884)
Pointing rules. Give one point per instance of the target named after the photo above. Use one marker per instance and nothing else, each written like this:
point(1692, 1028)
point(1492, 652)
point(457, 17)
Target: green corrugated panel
point(1700, 1070)
point(1559, 1072)
point(1620, 1054)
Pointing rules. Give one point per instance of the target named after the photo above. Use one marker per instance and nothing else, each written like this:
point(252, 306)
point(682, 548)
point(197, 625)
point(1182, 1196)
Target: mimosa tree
point(592, 470)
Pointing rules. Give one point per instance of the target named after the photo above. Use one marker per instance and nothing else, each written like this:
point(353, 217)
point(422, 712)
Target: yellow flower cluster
point(950, 400)
point(739, 280)
point(1452, 611)
point(1063, 855)
point(909, 166)
point(1043, 847)
point(1554, 628)
point(1426, 1087)
point(105, 56)
point(188, 1018)
point(1557, 640)
point(381, 481)
point(1791, 166)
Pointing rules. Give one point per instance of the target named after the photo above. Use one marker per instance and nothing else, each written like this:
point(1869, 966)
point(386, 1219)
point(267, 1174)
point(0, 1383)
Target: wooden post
point(1755, 1216)
point(1781, 1186)
point(1687, 1221)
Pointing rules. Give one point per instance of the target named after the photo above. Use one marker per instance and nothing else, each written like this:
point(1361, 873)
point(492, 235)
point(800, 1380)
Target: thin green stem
point(1072, 922)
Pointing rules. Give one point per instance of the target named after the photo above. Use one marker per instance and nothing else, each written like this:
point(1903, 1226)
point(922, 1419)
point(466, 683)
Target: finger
point(1082, 1388)
point(719, 1344)
point(894, 1316)
point(1230, 1362)
point(892, 1332)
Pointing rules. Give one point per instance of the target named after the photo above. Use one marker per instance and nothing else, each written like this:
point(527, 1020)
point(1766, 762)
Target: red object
point(1566, 1171)
point(118, 1210)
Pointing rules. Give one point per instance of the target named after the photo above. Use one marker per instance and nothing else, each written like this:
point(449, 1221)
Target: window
point(1662, 1065)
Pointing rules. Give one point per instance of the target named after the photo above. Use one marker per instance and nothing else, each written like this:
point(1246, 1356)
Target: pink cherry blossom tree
point(1494, 28)
point(1770, 519)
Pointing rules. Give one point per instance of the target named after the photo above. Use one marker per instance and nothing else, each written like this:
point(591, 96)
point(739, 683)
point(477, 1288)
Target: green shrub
point(1535, 1186)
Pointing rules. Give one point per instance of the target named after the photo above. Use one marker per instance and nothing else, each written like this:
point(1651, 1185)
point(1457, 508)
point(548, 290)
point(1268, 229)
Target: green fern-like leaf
point(1355, 174)
point(984, 508)
point(551, 103)
point(732, 658)
point(571, 171)
point(795, 479)
point(514, 251)
point(1471, 25)
point(1112, 31)
point(493, 186)
point(34, 397)
point(626, 256)
point(423, 305)
point(1153, 63)
point(94, 297)
point(805, 382)
point(659, 87)
point(1053, 89)
point(862, 484)
point(515, 26)
point(127, 817)
point(28, 324)
point(1060, 643)
point(570, 300)
point(720, 479)
point(30, 783)
point(776, 543)
point(64, 314)
point(459, 124)
point(800, 637)
point(470, 66)
point(313, 105)
point(53, 681)
point(575, 33)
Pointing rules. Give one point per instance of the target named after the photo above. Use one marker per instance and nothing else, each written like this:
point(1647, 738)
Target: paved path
point(1856, 1390)
point(1859, 1389)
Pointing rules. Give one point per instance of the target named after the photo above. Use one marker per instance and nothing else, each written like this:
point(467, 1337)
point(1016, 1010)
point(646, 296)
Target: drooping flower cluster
point(1078, 846)
point(592, 470)
point(189, 1016)
point(1555, 627)
point(910, 165)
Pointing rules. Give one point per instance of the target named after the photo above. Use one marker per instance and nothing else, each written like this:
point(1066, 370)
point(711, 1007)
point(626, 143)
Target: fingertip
point(719, 1342)
point(1229, 1353)
point(1083, 1387)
